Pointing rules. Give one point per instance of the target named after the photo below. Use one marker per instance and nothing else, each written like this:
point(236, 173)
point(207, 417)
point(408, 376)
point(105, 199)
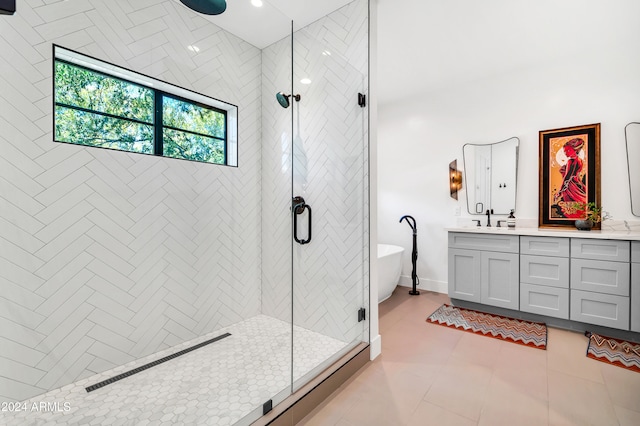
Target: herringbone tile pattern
point(105, 256)
point(330, 172)
point(276, 182)
point(325, 133)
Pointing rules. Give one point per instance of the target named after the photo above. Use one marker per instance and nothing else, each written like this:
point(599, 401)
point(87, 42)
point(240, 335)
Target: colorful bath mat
point(510, 329)
point(613, 351)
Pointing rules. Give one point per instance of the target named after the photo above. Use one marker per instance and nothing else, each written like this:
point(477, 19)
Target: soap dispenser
point(511, 220)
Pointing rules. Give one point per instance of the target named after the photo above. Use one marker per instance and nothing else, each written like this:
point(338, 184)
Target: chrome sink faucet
point(489, 213)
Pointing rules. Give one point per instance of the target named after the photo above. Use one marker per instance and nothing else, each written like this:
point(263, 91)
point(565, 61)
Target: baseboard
point(375, 347)
point(425, 284)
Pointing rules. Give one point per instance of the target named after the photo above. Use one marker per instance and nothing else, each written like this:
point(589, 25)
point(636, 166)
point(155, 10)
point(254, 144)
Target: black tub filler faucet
point(414, 253)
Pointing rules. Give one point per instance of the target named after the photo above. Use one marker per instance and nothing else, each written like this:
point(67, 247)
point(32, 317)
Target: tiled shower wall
point(107, 256)
point(329, 144)
point(276, 182)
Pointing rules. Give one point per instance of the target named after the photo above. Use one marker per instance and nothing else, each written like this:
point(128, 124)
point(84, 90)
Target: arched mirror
point(490, 172)
point(632, 135)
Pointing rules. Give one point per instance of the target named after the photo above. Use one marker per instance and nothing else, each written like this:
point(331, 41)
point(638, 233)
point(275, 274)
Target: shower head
point(206, 7)
point(283, 99)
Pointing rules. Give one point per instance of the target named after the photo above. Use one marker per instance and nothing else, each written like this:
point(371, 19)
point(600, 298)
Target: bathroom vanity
point(567, 278)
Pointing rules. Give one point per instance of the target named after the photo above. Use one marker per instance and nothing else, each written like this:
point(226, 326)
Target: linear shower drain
point(154, 363)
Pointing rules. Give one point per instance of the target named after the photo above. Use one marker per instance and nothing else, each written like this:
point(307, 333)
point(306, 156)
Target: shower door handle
point(299, 207)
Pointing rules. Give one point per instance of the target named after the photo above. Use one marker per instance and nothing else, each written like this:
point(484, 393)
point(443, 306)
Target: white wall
point(421, 133)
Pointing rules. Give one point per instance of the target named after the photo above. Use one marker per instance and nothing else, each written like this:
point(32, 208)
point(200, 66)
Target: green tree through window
point(95, 109)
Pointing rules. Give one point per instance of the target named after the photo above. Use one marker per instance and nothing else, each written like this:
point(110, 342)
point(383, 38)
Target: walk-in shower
point(142, 288)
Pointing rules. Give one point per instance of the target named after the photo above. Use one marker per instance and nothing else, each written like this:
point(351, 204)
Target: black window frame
point(157, 124)
point(159, 105)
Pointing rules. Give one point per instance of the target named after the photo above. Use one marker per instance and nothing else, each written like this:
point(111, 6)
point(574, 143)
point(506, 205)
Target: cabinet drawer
point(544, 246)
point(600, 276)
point(543, 300)
point(635, 251)
point(600, 309)
point(635, 297)
point(545, 270)
point(487, 242)
point(585, 248)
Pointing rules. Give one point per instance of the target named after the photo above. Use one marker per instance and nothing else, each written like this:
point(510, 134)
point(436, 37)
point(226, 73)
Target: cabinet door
point(464, 275)
point(635, 251)
point(499, 281)
point(635, 297)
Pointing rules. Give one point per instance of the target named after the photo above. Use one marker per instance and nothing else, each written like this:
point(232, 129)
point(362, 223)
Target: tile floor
point(433, 375)
point(223, 383)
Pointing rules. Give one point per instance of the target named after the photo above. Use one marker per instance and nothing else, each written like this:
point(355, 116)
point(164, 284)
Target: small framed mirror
point(632, 136)
point(490, 175)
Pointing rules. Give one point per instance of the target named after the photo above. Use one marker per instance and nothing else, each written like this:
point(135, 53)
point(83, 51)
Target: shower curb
point(298, 405)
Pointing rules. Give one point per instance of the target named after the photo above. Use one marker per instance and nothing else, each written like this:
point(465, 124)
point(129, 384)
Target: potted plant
point(592, 215)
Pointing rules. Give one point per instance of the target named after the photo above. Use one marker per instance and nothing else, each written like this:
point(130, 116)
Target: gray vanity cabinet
point(635, 286)
point(590, 280)
point(484, 268)
point(544, 276)
point(600, 288)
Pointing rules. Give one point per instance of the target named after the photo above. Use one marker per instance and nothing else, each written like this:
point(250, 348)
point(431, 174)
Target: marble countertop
point(604, 234)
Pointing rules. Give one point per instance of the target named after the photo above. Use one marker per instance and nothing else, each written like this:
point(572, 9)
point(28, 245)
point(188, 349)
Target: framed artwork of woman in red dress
point(569, 162)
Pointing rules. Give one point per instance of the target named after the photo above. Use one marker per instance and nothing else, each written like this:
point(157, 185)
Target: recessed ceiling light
point(326, 53)
point(256, 3)
point(305, 81)
point(193, 48)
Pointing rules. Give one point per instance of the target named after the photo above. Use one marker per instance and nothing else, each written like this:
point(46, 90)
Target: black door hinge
point(362, 314)
point(362, 100)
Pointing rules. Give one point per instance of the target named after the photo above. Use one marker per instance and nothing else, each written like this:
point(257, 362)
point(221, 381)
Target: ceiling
point(429, 45)
point(263, 26)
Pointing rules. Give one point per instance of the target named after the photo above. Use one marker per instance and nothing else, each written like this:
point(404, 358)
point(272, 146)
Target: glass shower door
point(329, 210)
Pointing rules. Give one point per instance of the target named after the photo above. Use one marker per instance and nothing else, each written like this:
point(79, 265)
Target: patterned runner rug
point(613, 351)
point(510, 329)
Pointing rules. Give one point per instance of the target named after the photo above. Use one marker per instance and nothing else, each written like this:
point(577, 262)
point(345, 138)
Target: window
point(99, 104)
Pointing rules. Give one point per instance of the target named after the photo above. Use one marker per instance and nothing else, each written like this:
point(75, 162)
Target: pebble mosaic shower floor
point(217, 384)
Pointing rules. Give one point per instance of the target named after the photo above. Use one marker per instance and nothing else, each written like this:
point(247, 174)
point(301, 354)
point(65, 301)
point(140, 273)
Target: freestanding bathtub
point(389, 268)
